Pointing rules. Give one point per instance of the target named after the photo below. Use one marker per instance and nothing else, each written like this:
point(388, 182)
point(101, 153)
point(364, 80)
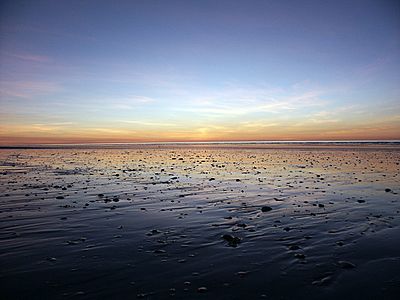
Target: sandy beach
point(200, 222)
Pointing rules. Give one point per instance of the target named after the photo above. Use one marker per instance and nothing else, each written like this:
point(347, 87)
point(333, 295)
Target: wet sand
point(200, 222)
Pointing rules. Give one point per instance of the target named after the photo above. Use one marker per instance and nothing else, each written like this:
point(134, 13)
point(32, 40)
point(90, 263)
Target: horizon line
point(201, 142)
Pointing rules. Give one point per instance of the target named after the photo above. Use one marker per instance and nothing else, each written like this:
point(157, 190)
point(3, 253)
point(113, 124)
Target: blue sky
point(199, 70)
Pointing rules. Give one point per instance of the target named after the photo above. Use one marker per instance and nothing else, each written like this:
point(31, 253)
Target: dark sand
point(200, 222)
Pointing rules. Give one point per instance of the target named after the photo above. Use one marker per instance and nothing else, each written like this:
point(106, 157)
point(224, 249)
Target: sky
point(155, 71)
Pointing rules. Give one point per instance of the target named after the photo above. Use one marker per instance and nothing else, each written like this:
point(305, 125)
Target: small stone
point(80, 293)
point(323, 281)
point(300, 256)
point(266, 208)
point(346, 264)
point(232, 240)
point(159, 251)
point(388, 190)
point(242, 273)
point(202, 289)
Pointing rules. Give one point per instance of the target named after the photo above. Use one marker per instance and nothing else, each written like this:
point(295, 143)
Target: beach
point(242, 221)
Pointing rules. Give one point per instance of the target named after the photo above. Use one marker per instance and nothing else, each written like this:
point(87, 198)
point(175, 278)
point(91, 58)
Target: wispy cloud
point(257, 124)
point(128, 102)
point(54, 124)
point(323, 117)
point(142, 99)
point(246, 101)
point(109, 130)
point(27, 89)
point(48, 31)
point(30, 57)
point(145, 123)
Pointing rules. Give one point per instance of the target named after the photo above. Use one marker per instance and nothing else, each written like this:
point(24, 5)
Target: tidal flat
point(200, 222)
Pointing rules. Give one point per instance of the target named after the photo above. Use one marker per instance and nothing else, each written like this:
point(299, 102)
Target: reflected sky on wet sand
point(156, 222)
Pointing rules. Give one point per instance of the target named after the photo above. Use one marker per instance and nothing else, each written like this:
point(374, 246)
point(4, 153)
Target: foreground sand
point(200, 222)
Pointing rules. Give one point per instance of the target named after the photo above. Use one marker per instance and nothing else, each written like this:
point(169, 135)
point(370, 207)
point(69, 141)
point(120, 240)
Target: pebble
point(159, 251)
point(233, 241)
point(324, 281)
point(346, 264)
point(242, 273)
point(266, 208)
point(300, 256)
point(202, 289)
point(52, 259)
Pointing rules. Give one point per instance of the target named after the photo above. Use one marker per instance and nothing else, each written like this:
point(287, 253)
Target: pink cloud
point(32, 57)
point(27, 89)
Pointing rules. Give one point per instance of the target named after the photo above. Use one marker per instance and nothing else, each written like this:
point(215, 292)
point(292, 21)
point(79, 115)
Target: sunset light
point(198, 71)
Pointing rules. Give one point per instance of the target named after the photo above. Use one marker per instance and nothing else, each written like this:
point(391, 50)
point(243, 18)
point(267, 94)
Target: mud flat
point(200, 222)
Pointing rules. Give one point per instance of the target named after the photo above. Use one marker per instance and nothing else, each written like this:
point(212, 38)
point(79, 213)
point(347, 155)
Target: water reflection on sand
point(199, 222)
